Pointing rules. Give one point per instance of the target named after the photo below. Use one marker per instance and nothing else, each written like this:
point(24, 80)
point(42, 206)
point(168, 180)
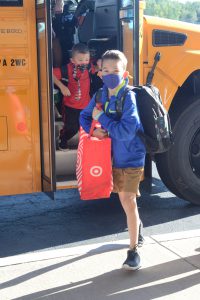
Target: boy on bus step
point(128, 149)
point(76, 93)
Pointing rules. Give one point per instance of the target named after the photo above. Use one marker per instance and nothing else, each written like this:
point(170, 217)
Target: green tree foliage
point(173, 9)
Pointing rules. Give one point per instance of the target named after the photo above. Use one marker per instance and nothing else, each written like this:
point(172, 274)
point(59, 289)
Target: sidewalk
point(170, 270)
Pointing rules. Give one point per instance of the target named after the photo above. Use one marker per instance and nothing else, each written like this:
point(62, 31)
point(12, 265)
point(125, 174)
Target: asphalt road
point(35, 223)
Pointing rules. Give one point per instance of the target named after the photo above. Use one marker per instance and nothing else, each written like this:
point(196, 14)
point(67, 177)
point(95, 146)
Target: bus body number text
point(13, 62)
point(17, 62)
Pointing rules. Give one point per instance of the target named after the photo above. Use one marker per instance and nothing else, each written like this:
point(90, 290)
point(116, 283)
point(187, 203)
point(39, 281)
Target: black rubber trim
point(11, 3)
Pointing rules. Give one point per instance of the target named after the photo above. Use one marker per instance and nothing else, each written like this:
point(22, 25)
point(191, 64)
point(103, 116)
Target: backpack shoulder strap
point(89, 68)
point(64, 74)
point(98, 96)
point(120, 101)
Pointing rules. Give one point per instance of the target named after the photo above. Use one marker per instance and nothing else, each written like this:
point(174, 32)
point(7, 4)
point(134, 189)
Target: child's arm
point(86, 120)
point(86, 116)
point(64, 89)
point(127, 126)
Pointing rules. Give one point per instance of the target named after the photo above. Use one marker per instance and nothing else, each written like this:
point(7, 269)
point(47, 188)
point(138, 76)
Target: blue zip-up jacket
point(127, 148)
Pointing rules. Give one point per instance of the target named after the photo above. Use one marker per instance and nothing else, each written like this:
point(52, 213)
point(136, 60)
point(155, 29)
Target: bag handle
point(93, 125)
point(95, 122)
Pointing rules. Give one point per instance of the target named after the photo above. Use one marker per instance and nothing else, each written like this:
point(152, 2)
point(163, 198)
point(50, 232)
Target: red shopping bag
point(94, 166)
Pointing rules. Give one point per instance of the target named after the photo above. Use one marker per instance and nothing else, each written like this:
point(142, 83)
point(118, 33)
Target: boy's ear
point(126, 74)
point(71, 59)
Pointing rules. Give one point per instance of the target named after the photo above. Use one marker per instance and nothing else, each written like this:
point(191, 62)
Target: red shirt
point(84, 79)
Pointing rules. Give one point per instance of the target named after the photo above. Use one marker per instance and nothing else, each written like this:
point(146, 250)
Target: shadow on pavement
point(34, 222)
point(148, 283)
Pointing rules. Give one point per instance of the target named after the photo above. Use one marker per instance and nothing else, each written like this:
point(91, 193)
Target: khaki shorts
point(127, 180)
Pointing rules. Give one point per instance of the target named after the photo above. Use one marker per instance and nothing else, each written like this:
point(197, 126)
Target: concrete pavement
point(170, 270)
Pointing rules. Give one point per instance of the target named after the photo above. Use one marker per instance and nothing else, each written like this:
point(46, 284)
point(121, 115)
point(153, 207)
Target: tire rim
point(195, 153)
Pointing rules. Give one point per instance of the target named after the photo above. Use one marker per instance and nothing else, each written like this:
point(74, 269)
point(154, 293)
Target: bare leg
point(129, 204)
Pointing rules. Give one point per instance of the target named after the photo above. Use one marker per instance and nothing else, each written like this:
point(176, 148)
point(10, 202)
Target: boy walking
point(76, 93)
point(127, 148)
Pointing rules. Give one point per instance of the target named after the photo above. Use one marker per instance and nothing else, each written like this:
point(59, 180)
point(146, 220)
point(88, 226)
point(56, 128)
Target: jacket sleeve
point(57, 73)
point(127, 126)
point(86, 115)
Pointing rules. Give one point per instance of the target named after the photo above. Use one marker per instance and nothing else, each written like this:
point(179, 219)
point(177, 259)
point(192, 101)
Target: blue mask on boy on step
point(112, 80)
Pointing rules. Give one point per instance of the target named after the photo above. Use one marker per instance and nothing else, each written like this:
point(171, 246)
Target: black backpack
point(157, 135)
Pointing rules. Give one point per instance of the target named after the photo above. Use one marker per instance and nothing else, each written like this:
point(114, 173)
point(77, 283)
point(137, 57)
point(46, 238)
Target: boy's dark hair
point(115, 55)
point(80, 48)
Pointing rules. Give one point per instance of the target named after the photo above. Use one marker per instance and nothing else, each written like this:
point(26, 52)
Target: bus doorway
point(98, 38)
point(89, 31)
point(58, 167)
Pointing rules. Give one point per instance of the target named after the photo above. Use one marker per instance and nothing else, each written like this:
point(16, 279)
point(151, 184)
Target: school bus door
point(44, 43)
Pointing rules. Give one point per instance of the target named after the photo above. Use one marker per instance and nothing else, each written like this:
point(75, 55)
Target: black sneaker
point(63, 148)
point(133, 260)
point(140, 235)
point(72, 147)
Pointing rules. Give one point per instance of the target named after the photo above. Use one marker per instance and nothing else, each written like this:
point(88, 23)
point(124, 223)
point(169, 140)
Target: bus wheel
point(179, 168)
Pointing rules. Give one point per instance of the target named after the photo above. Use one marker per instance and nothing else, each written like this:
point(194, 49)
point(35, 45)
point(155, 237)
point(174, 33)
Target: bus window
point(10, 3)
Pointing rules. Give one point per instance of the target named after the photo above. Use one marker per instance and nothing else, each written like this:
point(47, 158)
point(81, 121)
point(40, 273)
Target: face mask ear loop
point(126, 74)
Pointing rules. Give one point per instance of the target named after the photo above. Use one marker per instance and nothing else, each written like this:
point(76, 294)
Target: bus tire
point(179, 168)
point(163, 167)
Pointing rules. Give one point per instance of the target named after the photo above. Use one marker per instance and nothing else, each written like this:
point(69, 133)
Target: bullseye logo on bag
point(96, 171)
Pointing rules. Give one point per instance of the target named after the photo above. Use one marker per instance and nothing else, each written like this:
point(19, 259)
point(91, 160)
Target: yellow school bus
point(29, 161)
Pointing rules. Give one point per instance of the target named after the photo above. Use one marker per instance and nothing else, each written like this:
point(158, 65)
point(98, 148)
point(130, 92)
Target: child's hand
point(98, 67)
point(65, 91)
point(99, 63)
point(95, 113)
point(100, 133)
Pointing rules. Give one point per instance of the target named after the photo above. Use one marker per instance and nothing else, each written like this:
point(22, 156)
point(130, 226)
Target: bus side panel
point(20, 167)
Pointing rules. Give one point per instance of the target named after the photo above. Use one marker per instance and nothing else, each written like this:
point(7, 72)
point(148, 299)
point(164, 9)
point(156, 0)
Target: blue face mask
point(112, 80)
